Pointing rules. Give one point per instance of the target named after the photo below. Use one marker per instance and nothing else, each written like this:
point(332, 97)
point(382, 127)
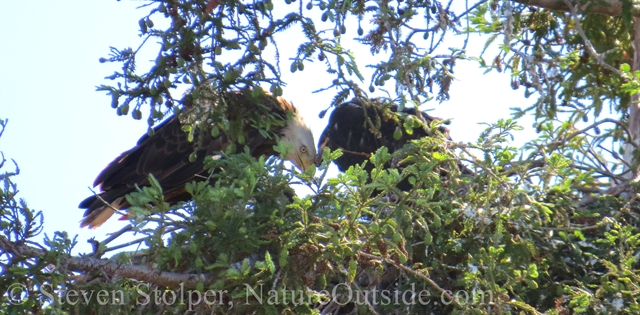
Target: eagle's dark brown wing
point(165, 154)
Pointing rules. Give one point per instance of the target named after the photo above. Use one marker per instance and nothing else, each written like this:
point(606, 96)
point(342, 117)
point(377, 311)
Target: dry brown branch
point(110, 267)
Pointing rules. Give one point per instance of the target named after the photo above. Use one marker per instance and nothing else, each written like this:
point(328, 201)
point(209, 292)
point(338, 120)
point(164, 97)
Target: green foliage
point(225, 47)
point(550, 227)
point(566, 60)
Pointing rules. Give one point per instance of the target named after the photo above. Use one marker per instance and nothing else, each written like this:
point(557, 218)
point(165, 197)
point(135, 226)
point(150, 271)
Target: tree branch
point(588, 46)
point(110, 267)
point(634, 107)
point(415, 273)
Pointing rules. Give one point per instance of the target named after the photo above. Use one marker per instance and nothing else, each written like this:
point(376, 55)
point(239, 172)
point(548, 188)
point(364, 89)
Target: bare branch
point(587, 43)
point(111, 267)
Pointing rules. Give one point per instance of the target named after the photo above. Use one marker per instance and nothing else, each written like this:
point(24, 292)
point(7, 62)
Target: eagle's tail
point(98, 211)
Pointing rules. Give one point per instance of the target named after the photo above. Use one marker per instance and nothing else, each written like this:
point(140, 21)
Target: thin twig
point(573, 9)
point(115, 235)
point(110, 267)
point(413, 272)
point(118, 211)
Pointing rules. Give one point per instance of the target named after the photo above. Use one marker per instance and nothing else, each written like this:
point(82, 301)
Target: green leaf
point(625, 67)
point(397, 134)
point(437, 222)
point(353, 268)
point(154, 183)
point(428, 238)
point(283, 257)
point(397, 237)
point(215, 131)
point(270, 265)
point(533, 271)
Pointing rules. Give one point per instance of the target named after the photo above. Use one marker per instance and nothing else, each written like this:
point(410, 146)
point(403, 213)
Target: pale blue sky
point(62, 132)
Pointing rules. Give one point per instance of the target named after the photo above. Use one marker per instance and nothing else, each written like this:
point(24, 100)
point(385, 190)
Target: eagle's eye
point(303, 149)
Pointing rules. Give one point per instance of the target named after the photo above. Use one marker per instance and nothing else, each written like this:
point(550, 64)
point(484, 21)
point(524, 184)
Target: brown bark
point(110, 267)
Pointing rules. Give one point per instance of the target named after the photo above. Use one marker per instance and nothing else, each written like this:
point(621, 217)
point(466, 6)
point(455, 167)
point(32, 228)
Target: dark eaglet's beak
point(323, 143)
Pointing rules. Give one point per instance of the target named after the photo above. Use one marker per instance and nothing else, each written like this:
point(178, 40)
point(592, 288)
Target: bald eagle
point(349, 131)
point(166, 153)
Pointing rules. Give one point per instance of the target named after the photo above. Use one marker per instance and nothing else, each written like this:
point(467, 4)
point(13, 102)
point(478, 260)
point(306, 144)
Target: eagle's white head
point(304, 150)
